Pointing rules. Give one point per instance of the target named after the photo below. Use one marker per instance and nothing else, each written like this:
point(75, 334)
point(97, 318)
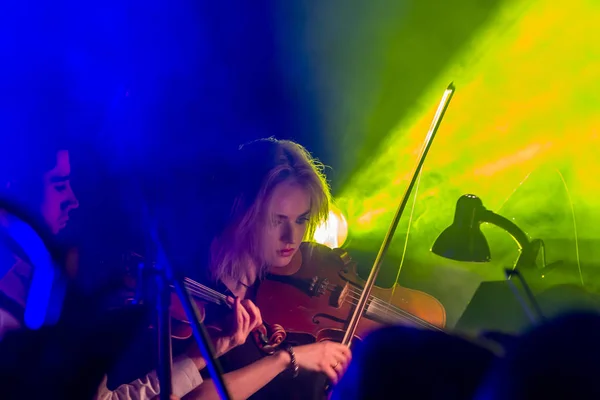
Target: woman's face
point(289, 207)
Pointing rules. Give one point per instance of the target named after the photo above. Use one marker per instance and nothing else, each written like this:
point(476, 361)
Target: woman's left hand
point(244, 319)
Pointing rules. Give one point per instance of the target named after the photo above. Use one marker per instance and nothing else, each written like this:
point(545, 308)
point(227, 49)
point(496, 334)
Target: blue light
point(48, 284)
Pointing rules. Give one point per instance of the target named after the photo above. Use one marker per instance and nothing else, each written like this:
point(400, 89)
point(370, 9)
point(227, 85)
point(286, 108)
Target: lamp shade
point(463, 240)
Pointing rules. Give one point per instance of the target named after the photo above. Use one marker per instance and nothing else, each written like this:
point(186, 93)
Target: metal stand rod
point(168, 278)
point(165, 351)
point(202, 338)
point(536, 315)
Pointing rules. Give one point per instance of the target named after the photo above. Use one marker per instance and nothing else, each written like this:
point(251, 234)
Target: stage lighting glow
point(334, 232)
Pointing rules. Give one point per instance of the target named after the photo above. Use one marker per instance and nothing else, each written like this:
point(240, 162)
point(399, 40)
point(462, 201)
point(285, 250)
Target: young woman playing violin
point(278, 196)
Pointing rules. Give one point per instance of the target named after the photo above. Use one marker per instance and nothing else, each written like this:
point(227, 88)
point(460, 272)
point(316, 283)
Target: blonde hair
point(261, 166)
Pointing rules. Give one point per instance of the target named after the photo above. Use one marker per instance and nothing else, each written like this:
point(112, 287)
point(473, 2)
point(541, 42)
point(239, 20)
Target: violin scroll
point(268, 338)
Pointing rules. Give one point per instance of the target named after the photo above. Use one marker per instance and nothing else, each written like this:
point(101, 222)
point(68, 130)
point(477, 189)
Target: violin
point(267, 337)
point(318, 291)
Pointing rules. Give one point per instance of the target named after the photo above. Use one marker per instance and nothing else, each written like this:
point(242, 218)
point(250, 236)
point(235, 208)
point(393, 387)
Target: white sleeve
point(186, 378)
point(7, 323)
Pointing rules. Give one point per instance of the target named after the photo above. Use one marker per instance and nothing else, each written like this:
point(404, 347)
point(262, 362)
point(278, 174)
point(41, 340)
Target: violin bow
point(366, 293)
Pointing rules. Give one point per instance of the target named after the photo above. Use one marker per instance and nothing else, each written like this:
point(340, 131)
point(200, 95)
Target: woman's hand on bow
point(330, 358)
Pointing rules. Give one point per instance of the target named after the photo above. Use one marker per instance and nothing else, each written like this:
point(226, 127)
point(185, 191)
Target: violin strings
point(377, 305)
point(204, 296)
point(204, 292)
point(206, 289)
point(392, 312)
point(200, 291)
point(402, 315)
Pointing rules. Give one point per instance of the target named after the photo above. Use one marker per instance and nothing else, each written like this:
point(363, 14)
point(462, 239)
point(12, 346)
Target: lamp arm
point(528, 248)
point(513, 230)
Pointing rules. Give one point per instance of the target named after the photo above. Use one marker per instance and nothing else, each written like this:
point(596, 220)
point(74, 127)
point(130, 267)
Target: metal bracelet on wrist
point(293, 363)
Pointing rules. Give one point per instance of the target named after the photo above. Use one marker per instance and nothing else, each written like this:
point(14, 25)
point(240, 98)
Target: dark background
point(168, 86)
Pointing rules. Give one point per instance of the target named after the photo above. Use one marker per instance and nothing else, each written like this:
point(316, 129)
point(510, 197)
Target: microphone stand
point(166, 278)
